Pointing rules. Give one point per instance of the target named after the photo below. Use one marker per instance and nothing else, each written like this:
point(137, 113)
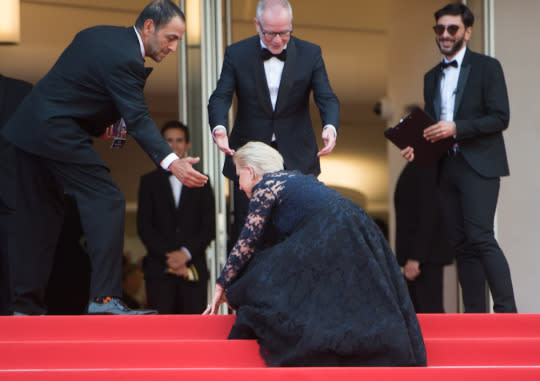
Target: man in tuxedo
point(176, 224)
point(12, 92)
point(467, 94)
point(97, 80)
point(272, 75)
point(421, 245)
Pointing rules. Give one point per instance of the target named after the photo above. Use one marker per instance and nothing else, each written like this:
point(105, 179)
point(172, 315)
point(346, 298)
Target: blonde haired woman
point(329, 291)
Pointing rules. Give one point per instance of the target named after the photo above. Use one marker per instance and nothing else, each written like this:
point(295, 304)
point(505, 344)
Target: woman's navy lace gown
point(329, 292)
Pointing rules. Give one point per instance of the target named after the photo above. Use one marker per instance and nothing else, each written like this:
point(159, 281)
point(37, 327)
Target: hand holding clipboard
point(409, 132)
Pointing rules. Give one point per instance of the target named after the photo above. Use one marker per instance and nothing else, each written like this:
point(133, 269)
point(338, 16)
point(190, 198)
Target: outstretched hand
point(183, 170)
point(222, 141)
point(329, 139)
point(218, 299)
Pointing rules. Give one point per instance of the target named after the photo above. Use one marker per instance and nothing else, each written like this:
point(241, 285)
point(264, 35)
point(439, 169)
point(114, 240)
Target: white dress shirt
point(449, 81)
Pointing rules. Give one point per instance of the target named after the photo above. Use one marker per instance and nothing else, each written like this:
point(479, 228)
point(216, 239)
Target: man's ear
point(148, 27)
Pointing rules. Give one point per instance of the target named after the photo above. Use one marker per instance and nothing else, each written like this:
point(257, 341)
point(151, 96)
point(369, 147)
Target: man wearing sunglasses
point(467, 94)
point(273, 74)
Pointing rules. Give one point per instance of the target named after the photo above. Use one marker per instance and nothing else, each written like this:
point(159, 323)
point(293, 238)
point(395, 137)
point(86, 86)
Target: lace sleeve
point(260, 206)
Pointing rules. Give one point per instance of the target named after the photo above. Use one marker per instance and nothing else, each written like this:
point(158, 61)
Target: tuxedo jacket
point(420, 233)
point(99, 78)
point(243, 74)
point(163, 227)
point(12, 92)
point(481, 111)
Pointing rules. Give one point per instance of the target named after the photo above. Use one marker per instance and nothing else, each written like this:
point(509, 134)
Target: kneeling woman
point(328, 292)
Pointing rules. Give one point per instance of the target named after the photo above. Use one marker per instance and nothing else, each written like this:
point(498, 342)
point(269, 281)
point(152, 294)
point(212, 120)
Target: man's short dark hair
point(457, 9)
point(160, 12)
point(175, 124)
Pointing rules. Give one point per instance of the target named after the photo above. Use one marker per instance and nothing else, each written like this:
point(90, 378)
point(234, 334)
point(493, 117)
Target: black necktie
point(453, 63)
point(267, 54)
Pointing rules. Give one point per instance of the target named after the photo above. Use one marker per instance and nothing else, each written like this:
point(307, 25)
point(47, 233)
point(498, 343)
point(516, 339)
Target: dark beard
point(454, 50)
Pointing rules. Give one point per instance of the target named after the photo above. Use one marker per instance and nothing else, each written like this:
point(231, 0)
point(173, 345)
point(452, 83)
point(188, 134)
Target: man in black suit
point(176, 224)
point(12, 92)
point(98, 79)
point(467, 94)
point(421, 245)
point(272, 75)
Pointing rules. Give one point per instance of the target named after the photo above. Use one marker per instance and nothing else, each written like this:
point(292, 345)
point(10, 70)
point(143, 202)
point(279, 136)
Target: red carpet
point(459, 347)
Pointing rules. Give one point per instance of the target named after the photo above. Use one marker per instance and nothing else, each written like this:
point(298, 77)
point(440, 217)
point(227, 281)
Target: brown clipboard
point(409, 132)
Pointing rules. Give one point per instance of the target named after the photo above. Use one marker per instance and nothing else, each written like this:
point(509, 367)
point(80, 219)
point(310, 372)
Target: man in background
point(422, 248)
point(12, 92)
point(176, 224)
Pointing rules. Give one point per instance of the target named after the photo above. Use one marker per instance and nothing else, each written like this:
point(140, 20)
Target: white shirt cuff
point(332, 127)
point(187, 251)
point(168, 160)
point(215, 128)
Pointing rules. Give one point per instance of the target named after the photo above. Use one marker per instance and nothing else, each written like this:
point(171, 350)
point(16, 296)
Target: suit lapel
point(288, 69)
point(437, 93)
point(462, 80)
point(261, 85)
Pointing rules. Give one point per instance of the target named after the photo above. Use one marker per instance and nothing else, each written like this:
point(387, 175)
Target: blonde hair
point(259, 156)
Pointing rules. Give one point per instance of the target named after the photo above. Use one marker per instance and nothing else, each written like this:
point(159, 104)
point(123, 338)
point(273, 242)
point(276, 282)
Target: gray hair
point(263, 4)
point(259, 156)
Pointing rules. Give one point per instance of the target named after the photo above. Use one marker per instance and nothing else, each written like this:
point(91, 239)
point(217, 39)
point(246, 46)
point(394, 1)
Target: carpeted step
point(193, 327)
point(282, 374)
point(236, 353)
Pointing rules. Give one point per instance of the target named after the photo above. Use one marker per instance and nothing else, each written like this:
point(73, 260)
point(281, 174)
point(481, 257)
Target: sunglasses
point(439, 29)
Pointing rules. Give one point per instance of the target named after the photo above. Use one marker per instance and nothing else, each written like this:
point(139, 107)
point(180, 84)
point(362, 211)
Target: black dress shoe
point(114, 306)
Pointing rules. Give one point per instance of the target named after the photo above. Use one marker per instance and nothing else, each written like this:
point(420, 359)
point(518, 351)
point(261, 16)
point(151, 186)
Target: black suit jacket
point(163, 227)
point(12, 92)
point(481, 111)
point(243, 74)
point(99, 77)
point(420, 233)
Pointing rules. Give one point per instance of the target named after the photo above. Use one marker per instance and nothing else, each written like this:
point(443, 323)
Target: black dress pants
point(6, 232)
point(426, 291)
point(170, 294)
point(468, 204)
point(41, 184)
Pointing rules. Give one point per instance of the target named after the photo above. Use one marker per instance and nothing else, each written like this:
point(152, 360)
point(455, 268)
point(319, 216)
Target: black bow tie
point(453, 63)
point(267, 54)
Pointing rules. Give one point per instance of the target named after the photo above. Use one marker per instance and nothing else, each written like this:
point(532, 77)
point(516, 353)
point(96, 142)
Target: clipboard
point(409, 132)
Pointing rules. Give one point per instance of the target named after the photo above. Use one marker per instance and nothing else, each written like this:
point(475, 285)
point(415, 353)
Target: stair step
point(480, 325)
point(192, 327)
point(282, 374)
point(102, 327)
point(236, 353)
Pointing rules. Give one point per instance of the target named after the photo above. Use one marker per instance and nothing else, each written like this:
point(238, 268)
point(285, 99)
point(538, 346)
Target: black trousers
point(468, 205)
point(41, 184)
point(426, 291)
point(170, 294)
point(6, 232)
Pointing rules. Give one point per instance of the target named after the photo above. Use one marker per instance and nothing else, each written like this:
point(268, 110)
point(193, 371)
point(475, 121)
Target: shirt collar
point(140, 42)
